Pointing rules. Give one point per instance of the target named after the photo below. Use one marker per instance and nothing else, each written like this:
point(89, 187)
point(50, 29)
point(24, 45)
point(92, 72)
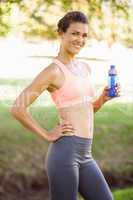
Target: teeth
point(77, 46)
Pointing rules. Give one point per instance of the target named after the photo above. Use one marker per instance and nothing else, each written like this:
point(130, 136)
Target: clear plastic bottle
point(112, 81)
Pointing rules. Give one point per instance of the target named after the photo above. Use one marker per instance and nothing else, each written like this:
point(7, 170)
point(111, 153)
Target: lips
point(77, 46)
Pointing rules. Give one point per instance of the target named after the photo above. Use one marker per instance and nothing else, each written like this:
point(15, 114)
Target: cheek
point(84, 43)
point(71, 37)
point(69, 41)
point(65, 42)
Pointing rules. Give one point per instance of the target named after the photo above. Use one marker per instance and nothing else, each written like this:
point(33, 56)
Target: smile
point(77, 46)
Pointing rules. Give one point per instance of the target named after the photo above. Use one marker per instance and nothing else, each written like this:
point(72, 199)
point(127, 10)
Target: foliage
point(109, 132)
point(5, 10)
point(110, 20)
point(126, 194)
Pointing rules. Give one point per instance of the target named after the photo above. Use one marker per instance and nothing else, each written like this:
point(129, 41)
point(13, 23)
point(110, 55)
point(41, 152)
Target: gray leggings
point(71, 168)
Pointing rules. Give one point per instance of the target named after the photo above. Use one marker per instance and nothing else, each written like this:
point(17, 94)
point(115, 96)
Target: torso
point(78, 115)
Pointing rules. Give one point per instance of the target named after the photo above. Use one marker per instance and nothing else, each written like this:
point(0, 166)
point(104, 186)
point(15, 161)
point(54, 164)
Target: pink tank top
point(75, 89)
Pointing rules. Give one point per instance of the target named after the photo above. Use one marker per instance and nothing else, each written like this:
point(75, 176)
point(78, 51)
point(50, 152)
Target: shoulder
point(55, 68)
point(86, 65)
point(47, 76)
point(52, 69)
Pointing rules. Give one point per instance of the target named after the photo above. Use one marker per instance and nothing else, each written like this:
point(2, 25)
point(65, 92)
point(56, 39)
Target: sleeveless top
point(75, 89)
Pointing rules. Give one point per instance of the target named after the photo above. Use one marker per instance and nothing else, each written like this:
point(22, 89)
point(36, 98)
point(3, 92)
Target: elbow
point(17, 111)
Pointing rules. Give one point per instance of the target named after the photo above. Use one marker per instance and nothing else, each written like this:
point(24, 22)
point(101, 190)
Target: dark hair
point(70, 17)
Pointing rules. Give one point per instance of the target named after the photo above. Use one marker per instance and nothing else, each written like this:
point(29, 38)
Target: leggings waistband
point(80, 144)
point(82, 139)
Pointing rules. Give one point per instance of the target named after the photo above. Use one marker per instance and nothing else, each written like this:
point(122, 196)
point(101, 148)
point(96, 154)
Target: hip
point(69, 150)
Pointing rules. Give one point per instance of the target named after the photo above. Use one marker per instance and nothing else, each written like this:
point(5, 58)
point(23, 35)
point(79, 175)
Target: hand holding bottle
point(112, 81)
point(105, 94)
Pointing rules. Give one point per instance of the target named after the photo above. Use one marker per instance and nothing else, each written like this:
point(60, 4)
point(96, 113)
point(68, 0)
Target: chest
point(79, 73)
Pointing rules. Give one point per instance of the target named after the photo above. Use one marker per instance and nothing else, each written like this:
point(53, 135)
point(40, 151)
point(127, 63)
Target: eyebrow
point(79, 32)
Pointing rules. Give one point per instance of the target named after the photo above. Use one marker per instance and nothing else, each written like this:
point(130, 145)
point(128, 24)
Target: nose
point(80, 40)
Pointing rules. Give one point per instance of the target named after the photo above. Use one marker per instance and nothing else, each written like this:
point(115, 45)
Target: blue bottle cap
point(112, 66)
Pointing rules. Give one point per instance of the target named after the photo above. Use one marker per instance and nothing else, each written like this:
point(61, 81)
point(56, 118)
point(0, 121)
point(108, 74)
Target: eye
point(85, 35)
point(74, 33)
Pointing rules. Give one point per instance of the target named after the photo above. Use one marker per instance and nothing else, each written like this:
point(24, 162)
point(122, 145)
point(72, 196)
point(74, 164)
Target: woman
point(69, 163)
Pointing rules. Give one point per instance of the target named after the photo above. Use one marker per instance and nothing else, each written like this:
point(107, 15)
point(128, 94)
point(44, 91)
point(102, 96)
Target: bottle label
point(112, 83)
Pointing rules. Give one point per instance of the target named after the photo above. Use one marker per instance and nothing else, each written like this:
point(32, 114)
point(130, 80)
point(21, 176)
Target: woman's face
point(75, 37)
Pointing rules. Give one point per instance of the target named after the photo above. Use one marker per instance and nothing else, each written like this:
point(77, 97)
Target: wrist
point(44, 134)
point(102, 100)
point(47, 136)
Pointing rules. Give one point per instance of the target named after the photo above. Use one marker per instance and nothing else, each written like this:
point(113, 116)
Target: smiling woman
point(75, 36)
point(69, 165)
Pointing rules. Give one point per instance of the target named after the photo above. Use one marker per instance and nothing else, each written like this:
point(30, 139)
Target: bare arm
point(98, 103)
point(103, 98)
point(28, 96)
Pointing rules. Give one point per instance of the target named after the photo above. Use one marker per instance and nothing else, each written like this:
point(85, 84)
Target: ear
point(60, 33)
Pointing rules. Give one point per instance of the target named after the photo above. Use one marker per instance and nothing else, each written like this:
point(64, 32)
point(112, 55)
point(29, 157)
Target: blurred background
point(28, 43)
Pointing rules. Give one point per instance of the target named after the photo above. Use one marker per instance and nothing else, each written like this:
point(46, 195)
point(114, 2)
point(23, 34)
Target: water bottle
point(112, 81)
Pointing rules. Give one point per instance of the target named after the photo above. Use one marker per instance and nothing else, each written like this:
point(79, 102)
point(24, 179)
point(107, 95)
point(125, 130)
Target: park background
point(28, 42)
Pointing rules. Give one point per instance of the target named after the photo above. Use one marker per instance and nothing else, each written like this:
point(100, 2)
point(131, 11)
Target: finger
point(66, 123)
point(117, 92)
point(67, 127)
point(106, 87)
point(67, 134)
point(117, 87)
point(118, 84)
point(68, 130)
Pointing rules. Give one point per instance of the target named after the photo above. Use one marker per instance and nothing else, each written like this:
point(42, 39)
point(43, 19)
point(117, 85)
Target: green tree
point(5, 9)
point(110, 20)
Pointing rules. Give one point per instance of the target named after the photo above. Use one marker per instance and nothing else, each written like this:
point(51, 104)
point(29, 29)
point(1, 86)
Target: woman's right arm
point(28, 96)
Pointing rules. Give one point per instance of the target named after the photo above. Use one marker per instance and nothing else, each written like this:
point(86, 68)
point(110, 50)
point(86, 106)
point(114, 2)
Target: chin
point(75, 51)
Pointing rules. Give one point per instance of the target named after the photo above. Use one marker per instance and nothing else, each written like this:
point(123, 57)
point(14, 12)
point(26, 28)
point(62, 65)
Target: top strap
point(65, 70)
point(62, 66)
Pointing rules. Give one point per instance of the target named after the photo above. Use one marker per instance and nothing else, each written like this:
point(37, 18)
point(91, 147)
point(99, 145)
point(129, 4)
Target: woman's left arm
point(103, 98)
point(97, 104)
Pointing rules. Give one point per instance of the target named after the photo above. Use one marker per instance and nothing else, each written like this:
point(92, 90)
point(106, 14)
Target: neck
point(65, 57)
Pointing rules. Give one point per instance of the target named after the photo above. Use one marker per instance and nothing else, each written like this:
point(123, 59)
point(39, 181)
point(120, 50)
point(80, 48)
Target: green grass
point(122, 194)
point(113, 136)
point(112, 144)
point(125, 194)
point(23, 152)
point(14, 82)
